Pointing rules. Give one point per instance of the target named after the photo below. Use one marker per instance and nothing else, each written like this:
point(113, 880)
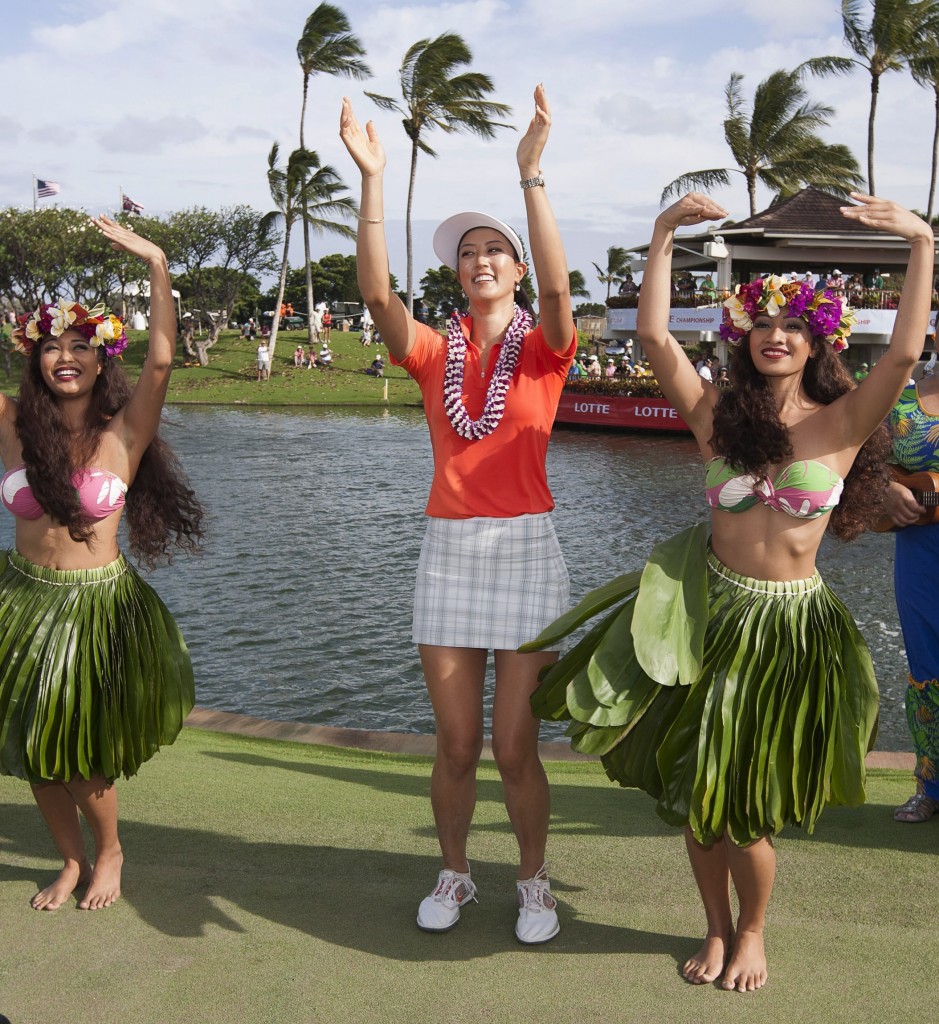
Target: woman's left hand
point(124, 240)
point(886, 215)
point(533, 141)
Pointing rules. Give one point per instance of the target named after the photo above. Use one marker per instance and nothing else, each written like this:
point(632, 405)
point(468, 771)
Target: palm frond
point(718, 177)
point(825, 67)
point(385, 102)
point(327, 46)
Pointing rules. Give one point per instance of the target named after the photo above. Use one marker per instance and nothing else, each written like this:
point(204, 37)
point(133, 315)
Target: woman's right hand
point(901, 506)
point(694, 208)
point(364, 147)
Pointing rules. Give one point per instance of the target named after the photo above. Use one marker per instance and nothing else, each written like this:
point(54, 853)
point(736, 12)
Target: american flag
point(129, 206)
point(46, 188)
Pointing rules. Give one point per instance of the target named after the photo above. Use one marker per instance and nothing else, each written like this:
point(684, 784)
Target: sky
point(177, 103)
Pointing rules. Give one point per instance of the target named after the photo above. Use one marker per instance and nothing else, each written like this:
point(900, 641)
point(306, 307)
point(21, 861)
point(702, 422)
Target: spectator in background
point(628, 287)
point(264, 360)
point(706, 370)
point(327, 325)
point(874, 279)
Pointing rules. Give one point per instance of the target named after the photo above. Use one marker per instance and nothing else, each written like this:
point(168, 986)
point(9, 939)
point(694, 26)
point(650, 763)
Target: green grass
point(278, 882)
point(231, 376)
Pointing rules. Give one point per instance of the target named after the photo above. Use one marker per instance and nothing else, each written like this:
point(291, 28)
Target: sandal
point(917, 809)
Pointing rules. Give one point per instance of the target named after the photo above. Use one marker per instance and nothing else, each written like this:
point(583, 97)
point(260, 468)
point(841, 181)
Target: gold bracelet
point(372, 220)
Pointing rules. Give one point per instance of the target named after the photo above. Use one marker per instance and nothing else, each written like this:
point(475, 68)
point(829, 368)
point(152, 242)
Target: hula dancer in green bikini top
point(728, 681)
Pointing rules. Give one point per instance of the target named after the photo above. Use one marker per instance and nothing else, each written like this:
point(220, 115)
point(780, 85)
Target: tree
point(617, 264)
point(578, 285)
point(590, 309)
point(219, 251)
point(776, 142)
point(441, 291)
point(309, 192)
point(326, 47)
point(925, 69)
point(435, 97)
point(894, 34)
point(54, 253)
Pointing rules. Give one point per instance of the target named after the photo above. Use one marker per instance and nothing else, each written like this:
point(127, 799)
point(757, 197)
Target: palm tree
point(894, 34)
point(326, 47)
point(308, 191)
point(617, 264)
point(436, 97)
point(925, 69)
point(577, 284)
point(775, 143)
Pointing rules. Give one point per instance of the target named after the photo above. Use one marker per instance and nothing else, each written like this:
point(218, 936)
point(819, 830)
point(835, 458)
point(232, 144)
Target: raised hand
point(532, 143)
point(886, 215)
point(125, 240)
point(364, 147)
point(694, 208)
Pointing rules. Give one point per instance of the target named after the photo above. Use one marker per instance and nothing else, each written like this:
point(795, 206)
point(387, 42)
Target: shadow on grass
point(178, 880)
point(575, 810)
point(615, 812)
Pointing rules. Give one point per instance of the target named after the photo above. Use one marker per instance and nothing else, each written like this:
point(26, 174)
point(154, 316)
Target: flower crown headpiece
point(827, 315)
point(98, 325)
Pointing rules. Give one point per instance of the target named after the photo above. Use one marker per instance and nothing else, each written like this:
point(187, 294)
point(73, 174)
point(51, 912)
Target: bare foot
point(105, 881)
point(708, 963)
point(746, 970)
point(74, 874)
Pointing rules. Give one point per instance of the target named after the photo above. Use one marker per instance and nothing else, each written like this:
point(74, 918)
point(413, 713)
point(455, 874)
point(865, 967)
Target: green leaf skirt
point(94, 674)
point(740, 705)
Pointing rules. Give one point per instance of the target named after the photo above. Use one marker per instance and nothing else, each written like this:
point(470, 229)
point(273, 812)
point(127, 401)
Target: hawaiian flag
point(46, 188)
point(129, 206)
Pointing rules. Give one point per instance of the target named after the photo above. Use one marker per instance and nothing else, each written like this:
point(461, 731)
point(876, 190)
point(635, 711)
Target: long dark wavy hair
point(162, 510)
point(749, 434)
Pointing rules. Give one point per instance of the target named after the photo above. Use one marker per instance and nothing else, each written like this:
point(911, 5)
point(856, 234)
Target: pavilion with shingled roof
point(801, 234)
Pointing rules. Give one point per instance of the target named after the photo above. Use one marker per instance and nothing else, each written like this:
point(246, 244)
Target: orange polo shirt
point(501, 475)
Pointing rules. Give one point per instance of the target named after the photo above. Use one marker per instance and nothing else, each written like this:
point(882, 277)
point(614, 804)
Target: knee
point(515, 758)
point(459, 755)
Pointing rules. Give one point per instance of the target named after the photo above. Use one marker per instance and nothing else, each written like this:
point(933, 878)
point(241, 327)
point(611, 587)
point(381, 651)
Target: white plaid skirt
point(490, 583)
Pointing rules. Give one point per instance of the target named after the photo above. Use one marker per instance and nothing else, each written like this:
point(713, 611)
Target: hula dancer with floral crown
point(94, 674)
point(728, 681)
point(491, 573)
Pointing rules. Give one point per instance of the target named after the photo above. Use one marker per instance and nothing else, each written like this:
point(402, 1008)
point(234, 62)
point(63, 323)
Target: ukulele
point(925, 488)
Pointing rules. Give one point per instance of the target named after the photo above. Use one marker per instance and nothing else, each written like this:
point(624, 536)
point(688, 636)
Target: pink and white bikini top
point(100, 493)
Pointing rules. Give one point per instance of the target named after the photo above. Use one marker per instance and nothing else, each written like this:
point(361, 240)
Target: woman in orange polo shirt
point(491, 573)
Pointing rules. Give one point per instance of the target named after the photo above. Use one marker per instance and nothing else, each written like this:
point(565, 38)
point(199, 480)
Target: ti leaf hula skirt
point(94, 674)
point(740, 705)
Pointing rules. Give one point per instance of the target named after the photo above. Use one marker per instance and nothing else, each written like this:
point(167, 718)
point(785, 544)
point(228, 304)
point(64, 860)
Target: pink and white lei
point(494, 408)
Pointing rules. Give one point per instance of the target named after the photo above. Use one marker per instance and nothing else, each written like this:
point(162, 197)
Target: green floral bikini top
point(805, 489)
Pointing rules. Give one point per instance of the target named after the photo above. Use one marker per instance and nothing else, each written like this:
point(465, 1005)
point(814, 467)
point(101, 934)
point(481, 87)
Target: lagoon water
point(300, 607)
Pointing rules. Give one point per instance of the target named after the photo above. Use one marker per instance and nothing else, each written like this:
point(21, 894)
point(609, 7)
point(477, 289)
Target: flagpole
point(120, 201)
point(35, 192)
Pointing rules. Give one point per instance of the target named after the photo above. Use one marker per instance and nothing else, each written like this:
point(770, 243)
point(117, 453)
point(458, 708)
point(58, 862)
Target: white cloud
point(148, 135)
point(183, 99)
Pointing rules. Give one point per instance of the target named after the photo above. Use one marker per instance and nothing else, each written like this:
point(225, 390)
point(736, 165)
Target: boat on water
point(626, 405)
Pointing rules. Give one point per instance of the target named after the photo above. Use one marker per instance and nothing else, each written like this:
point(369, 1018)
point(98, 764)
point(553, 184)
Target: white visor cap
point(448, 235)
